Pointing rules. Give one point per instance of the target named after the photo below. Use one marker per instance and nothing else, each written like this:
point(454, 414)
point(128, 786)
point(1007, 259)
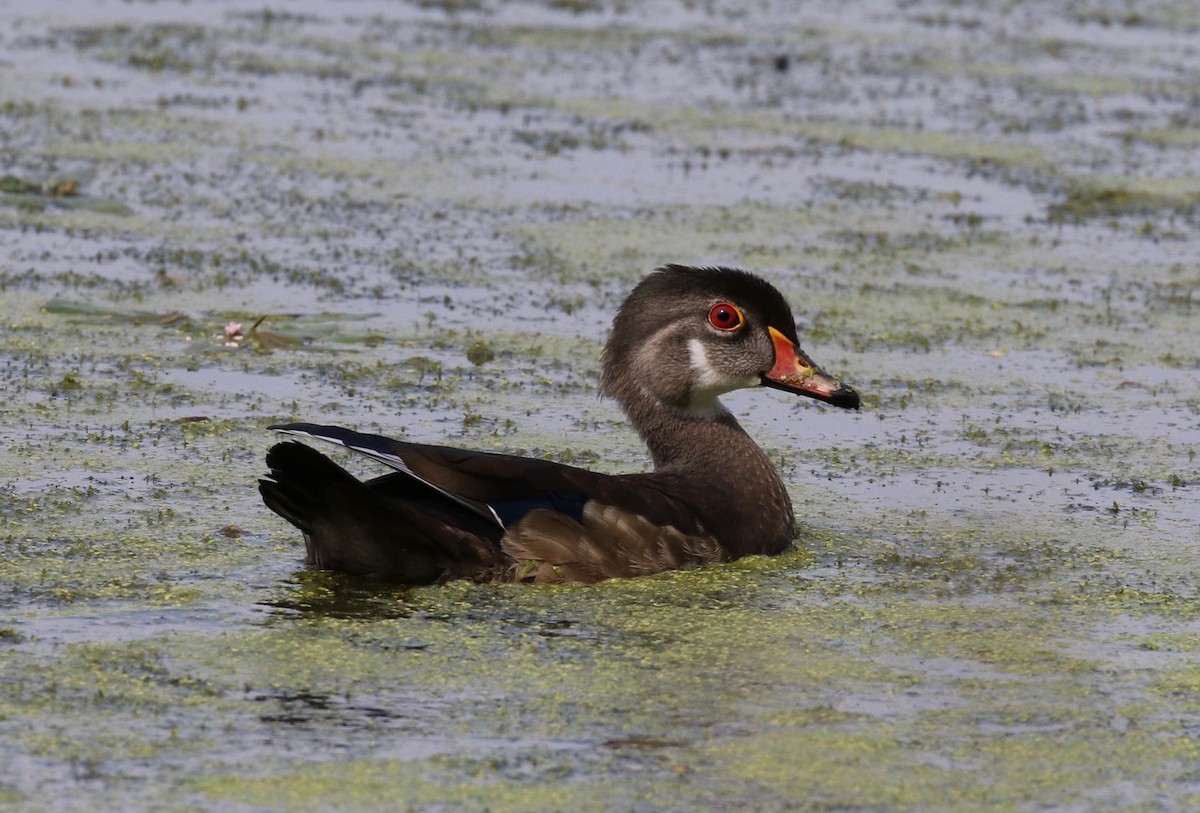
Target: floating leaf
point(65, 307)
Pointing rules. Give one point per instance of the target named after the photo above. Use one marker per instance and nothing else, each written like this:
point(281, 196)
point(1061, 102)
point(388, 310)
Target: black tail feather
point(346, 525)
point(298, 474)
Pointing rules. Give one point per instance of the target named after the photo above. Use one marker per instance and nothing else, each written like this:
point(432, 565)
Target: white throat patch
point(708, 382)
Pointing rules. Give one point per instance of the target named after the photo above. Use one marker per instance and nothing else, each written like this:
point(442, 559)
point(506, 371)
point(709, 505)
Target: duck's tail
point(364, 528)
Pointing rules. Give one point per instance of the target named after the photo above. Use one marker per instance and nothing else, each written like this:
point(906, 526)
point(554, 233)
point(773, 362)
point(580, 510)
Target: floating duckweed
point(240, 219)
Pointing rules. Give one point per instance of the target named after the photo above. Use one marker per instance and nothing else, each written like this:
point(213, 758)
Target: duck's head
point(686, 335)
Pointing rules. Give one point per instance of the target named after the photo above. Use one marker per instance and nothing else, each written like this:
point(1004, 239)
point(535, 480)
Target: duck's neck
point(685, 440)
point(736, 489)
point(705, 440)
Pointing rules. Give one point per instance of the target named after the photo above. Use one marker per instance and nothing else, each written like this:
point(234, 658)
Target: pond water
point(986, 217)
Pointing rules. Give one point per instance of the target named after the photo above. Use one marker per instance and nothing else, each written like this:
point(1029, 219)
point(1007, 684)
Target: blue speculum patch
point(513, 511)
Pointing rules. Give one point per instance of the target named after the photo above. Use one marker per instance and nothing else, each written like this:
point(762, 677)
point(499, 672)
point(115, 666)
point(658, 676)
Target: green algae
point(1167, 137)
point(1172, 15)
point(521, 782)
point(724, 130)
point(597, 678)
point(1095, 197)
point(1025, 77)
point(992, 601)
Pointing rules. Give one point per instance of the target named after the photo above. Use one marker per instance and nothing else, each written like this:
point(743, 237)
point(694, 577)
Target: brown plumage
point(547, 546)
point(683, 337)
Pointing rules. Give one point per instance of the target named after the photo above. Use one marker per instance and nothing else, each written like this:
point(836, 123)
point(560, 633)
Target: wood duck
point(683, 337)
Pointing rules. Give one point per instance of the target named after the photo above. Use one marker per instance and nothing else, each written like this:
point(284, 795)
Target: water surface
point(986, 218)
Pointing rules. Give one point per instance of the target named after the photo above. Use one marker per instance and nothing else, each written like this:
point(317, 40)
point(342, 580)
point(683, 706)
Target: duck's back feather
point(447, 512)
point(505, 487)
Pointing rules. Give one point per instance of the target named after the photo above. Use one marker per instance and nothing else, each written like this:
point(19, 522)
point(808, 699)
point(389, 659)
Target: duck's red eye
point(724, 316)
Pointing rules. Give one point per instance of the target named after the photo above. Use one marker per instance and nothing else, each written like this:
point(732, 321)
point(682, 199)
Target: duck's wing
point(390, 453)
point(505, 488)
